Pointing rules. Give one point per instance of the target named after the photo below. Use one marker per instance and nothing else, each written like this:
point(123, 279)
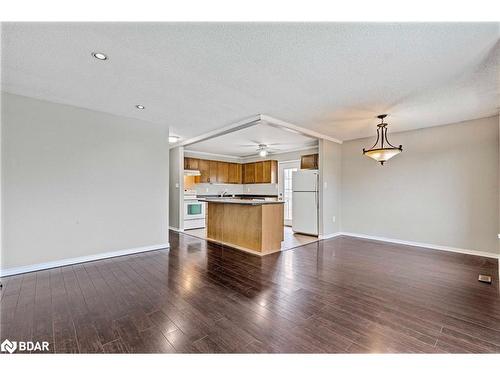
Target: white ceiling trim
point(202, 153)
point(251, 121)
point(286, 125)
point(246, 157)
point(242, 159)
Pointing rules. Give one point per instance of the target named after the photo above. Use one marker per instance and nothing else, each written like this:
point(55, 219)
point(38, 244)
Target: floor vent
point(485, 279)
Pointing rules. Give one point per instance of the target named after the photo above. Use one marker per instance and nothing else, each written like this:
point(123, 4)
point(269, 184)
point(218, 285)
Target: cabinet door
point(309, 161)
point(193, 163)
point(270, 172)
point(249, 173)
point(266, 171)
point(234, 173)
point(222, 172)
point(274, 171)
point(213, 171)
point(204, 168)
point(239, 175)
point(259, 172)
point(186, 163)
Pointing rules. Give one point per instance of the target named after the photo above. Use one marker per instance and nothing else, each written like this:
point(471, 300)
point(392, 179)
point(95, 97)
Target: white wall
point(176, 188)
point(77, 182)
point(207, 156)
point(441, 190)
point(330, 158)
point(285, 156)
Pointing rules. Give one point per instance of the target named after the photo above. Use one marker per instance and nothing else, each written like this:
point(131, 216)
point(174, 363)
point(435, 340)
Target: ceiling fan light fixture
point(263, 153)
point(385, 150)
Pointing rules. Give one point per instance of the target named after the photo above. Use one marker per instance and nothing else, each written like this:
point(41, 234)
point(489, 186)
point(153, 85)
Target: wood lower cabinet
point(309, 161)
point(211, 171)
point(254, 228)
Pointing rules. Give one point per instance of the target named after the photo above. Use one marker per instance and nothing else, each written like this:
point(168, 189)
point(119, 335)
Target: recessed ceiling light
point(173, 139)
point(139, 106)
point(99, 55)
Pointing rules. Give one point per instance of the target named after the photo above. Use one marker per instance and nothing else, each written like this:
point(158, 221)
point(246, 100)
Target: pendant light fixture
point(385, 150)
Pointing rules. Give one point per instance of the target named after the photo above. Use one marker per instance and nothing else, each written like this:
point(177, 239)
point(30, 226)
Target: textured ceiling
point(333, 78)
point(245, 142)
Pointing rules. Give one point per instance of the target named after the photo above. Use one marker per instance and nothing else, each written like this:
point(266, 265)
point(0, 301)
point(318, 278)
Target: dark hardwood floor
point(333, 296)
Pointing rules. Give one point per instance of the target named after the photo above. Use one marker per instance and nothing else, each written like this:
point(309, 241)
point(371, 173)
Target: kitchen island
point(252, 225)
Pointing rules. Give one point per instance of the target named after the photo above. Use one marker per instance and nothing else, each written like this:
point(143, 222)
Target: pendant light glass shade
point(383, 150)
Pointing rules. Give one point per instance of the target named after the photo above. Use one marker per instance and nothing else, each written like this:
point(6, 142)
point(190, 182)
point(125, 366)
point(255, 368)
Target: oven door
point(194, 210)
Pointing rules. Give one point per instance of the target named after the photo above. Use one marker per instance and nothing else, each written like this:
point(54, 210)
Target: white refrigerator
point(305, 201)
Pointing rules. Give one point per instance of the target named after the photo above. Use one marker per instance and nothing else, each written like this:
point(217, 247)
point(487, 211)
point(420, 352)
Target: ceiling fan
point(263, 149)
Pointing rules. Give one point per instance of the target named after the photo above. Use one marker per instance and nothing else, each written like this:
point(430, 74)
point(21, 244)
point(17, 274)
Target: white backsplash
point(261, 189)
point(215, 189)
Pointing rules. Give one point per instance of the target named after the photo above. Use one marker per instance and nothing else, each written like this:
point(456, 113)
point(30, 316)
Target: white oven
point(194, 210)
point(194, 214)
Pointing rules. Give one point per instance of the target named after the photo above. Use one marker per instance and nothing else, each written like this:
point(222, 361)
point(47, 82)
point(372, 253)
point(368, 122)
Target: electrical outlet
point(177, 185)
point(325, 185)
point(333, 218)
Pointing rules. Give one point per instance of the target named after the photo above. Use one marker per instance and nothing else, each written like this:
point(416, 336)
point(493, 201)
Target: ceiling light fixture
point(262, 151)
point(385, 151)
point(99, 56)
point(173, 139)
point(139, 106)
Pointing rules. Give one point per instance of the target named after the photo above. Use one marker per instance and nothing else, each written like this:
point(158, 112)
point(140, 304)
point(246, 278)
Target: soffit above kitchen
point(245, 142)
point(333, 78)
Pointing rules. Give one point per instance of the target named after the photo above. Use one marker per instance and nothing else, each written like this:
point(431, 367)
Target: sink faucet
point(223, 193)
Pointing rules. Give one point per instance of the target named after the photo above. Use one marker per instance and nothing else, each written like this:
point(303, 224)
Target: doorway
point(285, 170)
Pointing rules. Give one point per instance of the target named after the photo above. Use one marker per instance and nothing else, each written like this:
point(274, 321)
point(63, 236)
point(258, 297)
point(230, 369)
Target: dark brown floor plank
point(343, 295)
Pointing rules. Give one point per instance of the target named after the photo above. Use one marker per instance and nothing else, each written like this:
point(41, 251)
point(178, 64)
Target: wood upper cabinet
point(222, 172)
point(249, 173)
point(261, 172)
point(204, 168)
point(213, 168)
point(212, 171)
point(191, 163)
point(270, 171)
point(235, 173)
point(309, 161)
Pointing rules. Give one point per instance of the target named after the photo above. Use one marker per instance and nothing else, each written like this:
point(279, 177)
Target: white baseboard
point(426, 245)
point(87, 258)
point(331, 235)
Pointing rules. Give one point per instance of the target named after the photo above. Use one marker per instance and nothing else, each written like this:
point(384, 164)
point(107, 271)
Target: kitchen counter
point(254, 226)
point(252, 202)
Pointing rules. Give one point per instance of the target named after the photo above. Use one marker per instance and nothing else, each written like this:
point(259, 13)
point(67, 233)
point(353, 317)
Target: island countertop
point(252, 202)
